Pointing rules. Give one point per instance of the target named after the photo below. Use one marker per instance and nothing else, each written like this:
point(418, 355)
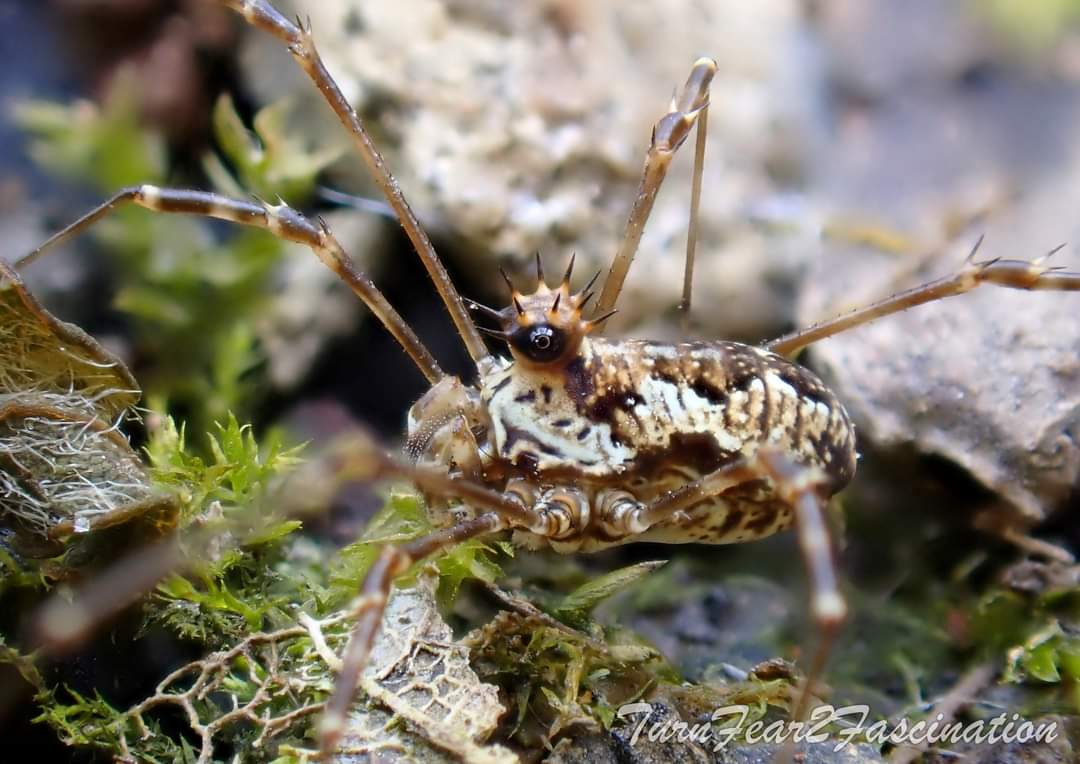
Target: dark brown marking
point(502, 383)
point(761, 520)
point(579, 383)
point(546, 391)
point(604, 407)
point(841, 467)
point(513, 435)
point(548, 449)
point(562, 423)
point(527, 462)
point(584, 433)
point(766, 396)
point(697, 451)
point(732, 519)
point(797, 425)
point(741, 377)
point(805, 387)
point(528, 397)
point(710, 392)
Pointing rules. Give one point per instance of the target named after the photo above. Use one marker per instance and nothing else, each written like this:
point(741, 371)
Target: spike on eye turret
point(569, 270)
point(515, 295)
point(541, 282)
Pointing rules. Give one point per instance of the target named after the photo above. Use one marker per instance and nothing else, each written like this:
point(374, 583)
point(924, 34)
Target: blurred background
point(856, 147)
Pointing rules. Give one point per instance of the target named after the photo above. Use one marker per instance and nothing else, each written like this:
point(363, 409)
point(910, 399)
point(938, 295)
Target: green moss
point(1039, 635)
point(1030, 26)
point(193, 300)
point(403, 518)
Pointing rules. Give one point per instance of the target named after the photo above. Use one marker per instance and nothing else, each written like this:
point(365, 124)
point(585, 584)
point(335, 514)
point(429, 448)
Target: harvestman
point(578, 442)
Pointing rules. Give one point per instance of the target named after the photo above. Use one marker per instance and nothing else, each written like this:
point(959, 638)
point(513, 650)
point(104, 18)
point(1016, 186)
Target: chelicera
point(576, 441)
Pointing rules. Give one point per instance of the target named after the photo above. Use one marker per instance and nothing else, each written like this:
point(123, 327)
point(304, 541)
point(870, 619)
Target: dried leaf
point(64, 466)
point(425, 701)
point(38, 352)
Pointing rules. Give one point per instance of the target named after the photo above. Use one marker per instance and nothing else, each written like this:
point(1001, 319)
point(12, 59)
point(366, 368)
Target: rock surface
point(517, 127)
point(989, 380)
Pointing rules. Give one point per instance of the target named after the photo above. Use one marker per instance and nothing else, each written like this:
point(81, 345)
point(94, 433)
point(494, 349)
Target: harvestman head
point(580, 442)
point(545, 328)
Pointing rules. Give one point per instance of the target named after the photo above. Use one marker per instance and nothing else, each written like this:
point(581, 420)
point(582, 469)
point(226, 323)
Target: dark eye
point(540, 343)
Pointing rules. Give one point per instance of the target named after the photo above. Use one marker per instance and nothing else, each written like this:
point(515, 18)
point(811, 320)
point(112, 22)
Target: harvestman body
point(578, 442)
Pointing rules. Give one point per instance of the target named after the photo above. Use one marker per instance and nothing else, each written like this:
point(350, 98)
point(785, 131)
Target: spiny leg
point(63, 622)
point(999, 519)
point(297, 37)
point(688, 109)
point(1014, 274)
point(358, 458)
point(280, 220)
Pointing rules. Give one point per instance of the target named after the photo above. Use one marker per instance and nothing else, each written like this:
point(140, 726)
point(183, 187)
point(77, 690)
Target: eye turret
point(544, 328)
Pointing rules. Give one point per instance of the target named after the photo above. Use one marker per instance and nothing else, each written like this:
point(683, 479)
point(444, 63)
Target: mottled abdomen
point(654, 415)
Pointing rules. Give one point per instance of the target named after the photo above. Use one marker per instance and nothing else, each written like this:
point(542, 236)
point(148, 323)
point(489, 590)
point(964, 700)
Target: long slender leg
point(61, 622)
point(623, 515)
point(280, 220)
point(1014, 274)
point(668, 135)
point(695, 208)
point(297, 37)
point(374, 593)
point(358, 458)
point(799, 487)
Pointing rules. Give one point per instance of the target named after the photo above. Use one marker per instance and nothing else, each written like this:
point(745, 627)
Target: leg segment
point(1014, 274)
point(796, 485)
point(280, 220)
point(358, 458)
point(687, 109)
point(374, 593)
point(695, 207)
point(623, 515)
point(297, 37)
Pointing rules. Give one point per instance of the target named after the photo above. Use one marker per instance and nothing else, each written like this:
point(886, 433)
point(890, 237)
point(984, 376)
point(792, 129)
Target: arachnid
point(576, 441)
